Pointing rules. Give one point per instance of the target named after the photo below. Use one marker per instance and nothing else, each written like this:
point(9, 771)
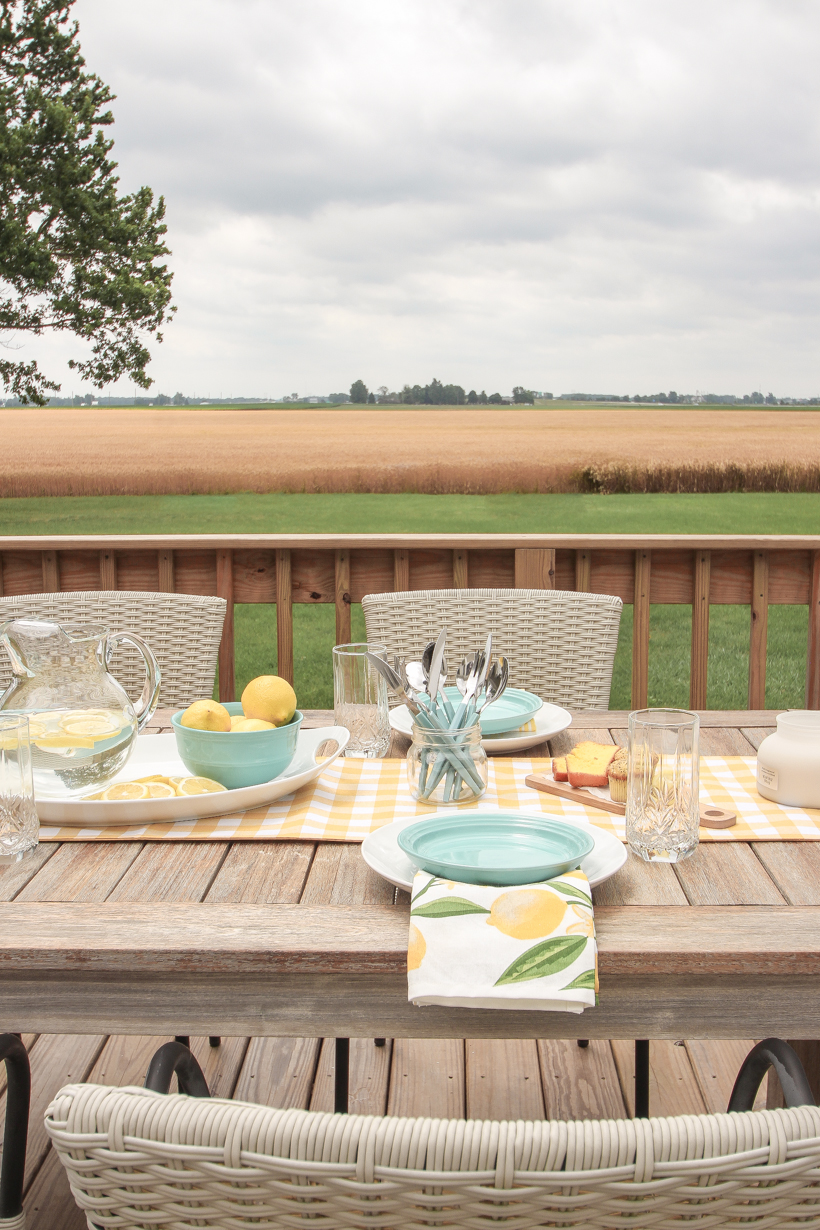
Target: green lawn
point(386, 514)
point(314, 627)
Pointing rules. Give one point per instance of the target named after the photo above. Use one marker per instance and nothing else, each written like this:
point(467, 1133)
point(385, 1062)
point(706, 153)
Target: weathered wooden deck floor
point(440, 1078)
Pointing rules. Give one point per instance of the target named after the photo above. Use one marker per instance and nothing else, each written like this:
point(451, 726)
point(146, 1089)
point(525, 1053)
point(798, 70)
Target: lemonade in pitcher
point(82, 724)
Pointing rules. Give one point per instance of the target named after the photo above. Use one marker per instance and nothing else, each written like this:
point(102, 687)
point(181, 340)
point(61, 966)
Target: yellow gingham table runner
point(354, 797)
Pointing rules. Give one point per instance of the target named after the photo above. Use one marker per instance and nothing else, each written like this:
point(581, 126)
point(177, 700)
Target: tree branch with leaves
point(75, 255)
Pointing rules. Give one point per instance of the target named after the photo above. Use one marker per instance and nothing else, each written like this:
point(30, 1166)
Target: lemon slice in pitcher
point(198, 785)
point(92, 724)
point(125, 792)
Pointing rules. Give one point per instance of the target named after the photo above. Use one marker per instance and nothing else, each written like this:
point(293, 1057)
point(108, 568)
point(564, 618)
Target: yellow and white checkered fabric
point(354, 797)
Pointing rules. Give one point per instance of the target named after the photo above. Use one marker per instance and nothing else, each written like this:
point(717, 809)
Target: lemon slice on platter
point(160, 790)
point(125, 792)
point(198, 785)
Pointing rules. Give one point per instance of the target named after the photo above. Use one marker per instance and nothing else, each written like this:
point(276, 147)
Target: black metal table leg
point(15, 1132)
point(641, 1079)
point(342, 1075)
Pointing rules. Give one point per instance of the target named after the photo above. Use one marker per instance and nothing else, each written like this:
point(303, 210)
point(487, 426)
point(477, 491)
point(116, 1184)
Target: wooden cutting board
point(710, 817)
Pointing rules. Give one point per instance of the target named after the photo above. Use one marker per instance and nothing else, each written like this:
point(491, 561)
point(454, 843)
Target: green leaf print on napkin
point(448, 907)
point(584, 982)
point(569, 890)
point(543, 959)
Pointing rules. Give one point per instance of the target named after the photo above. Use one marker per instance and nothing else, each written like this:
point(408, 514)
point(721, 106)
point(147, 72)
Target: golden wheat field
point(107, 451)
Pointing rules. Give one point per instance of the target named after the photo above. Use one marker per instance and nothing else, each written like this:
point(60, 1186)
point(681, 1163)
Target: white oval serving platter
point(157, 754)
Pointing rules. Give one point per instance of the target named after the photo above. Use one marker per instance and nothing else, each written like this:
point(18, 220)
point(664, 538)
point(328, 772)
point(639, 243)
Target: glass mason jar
point(446, 768)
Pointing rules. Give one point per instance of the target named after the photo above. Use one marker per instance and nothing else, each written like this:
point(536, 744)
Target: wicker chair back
point(560, 644)
point(184, 631)
point(138, 1158)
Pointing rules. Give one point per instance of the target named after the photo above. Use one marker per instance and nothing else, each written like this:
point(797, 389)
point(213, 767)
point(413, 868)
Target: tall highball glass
point(360, 699)
point(662, 805)
point(19, 826)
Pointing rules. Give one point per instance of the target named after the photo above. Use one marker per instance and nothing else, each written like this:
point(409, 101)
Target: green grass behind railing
point(669, 649)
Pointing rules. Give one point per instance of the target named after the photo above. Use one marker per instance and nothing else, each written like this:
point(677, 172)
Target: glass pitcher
point(82, 724)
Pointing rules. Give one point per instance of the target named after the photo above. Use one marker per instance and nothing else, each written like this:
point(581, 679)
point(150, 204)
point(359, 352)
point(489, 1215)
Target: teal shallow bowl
point(512, 709)
point(498, 848)
point(235, 760)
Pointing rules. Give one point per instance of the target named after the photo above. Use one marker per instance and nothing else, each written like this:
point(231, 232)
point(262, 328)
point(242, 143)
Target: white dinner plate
point(155, 754)
point(381, 852)
point(549, 720)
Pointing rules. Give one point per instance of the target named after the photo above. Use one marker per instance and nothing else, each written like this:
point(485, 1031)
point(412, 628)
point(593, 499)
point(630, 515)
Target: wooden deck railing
point(754, 571)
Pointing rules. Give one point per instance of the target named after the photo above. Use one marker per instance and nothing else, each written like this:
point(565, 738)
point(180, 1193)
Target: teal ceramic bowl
point(496, 848)
point(235, 760)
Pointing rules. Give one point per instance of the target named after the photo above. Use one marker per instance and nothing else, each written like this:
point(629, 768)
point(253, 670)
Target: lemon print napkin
point(531, 946)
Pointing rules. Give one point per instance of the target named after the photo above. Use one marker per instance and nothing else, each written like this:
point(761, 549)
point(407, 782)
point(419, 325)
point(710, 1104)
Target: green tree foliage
point(433, 394)
point(523, 397)
point(472, 398)
point(75, 255)
point(358, 392)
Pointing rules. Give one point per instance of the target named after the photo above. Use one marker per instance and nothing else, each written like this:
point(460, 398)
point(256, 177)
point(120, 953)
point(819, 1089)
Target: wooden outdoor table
point(299, 938)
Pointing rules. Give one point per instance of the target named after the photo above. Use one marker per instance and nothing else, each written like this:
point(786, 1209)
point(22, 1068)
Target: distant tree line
point(437, 394)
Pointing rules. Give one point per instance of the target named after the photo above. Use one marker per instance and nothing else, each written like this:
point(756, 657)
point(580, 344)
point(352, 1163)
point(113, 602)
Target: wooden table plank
point(726, 874)
point(263, 872)
point(339, 876)
point(171, 871)
point(794, 866)
point(81, 871)
point(15, 876)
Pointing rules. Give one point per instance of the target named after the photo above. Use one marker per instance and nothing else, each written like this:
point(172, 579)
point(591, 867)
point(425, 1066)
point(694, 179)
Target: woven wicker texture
point(136, 1159)
point(13, 1223)
point(183, 630)
point(560, 644)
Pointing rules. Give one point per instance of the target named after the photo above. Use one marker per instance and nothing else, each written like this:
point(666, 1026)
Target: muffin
point(616, 775)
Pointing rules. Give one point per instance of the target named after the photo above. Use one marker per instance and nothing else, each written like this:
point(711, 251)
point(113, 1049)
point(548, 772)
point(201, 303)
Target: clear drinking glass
point(662, 804)
point(19, 826)
point(360, 699)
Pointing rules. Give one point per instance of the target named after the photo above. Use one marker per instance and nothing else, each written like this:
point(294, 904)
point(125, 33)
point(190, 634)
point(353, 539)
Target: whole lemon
point(206, 715)
point(527, 913)
point(242, 723)
point(416, 948)
point(270, 698)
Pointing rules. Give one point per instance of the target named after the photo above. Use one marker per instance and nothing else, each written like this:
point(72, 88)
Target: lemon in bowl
point(254, 751)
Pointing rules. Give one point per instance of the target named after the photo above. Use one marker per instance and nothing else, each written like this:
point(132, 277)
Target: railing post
point(813, 650)
point(342, 597)
point(583, 571)
point(224, 589)
point(165, 569)
point(51, 572)
point(401, 571)
point(535, 568)
point(759, 630)
point(284, 615)
point(640, 630)
point(701, 575)
point(108, 569)
point(461, 569)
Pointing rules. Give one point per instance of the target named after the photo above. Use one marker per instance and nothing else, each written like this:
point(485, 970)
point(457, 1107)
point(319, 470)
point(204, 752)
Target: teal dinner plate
point(513, 708)
point(495, 847)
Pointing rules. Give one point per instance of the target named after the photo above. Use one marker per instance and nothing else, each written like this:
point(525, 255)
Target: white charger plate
point(157, 754)
point(549, 720)
point(382, 853)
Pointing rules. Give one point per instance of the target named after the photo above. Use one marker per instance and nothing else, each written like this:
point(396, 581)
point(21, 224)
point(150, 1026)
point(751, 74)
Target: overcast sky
point(573, 195)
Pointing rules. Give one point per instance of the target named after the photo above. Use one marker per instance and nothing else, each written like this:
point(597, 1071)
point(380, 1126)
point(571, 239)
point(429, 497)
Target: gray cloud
point(584, 195)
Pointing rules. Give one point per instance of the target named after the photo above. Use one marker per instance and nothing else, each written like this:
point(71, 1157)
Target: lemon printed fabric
point(526, 947)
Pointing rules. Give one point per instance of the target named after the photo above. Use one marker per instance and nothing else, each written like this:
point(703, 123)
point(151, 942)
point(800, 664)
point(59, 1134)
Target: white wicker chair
point(560, 644)
point(137, 1158)
point(183, 630)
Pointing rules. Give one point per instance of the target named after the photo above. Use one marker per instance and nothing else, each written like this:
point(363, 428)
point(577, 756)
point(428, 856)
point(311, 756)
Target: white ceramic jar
point(788, 762)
